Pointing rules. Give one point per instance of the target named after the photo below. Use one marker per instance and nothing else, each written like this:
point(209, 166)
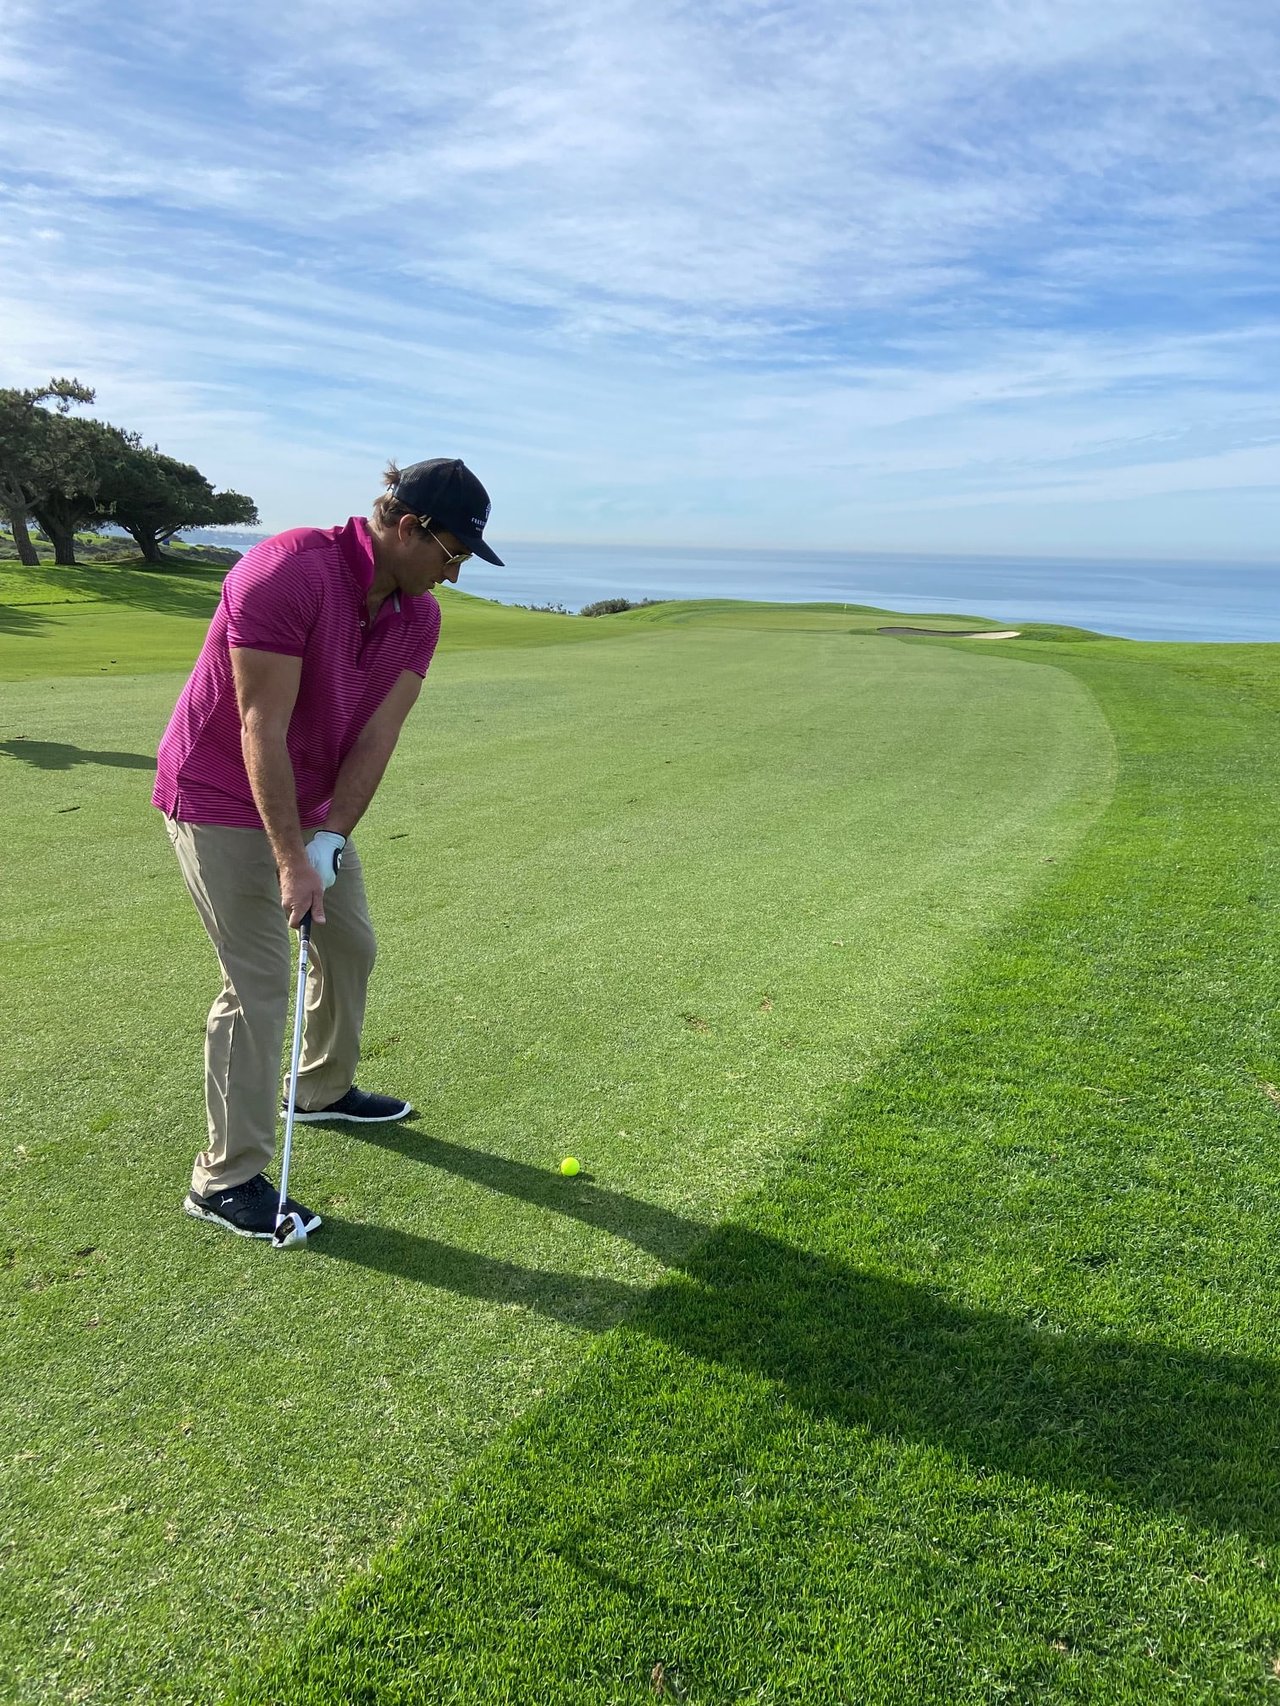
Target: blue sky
point(901, 274)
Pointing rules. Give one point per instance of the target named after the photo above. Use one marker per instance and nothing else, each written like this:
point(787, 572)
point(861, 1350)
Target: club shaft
point(304, 948)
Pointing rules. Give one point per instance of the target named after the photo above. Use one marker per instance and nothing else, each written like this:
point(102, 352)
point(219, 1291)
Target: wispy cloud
point(650, 264)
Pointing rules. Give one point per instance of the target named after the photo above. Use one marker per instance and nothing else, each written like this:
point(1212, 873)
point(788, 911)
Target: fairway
point(656, 900)
point(977, 1400)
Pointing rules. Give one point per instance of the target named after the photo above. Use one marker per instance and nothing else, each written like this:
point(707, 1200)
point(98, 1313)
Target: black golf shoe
point(360, 1105)
point(248, 1210)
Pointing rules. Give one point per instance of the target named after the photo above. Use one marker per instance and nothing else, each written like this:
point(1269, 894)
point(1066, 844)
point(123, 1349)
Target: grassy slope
point(979, 1402)
point(647, 899)
point(126, 619)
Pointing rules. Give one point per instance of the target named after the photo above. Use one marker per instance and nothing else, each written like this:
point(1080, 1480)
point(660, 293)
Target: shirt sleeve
point(272, 603)
point(425, 641)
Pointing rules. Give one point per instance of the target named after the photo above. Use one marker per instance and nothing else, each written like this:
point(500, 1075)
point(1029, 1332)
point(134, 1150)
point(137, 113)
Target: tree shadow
point(56, 755)
point(170, 589)
point(1172, 1430)
point(16, 620)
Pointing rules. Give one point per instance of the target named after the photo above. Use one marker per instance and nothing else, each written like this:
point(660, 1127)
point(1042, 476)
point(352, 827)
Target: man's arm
point(266, 691)
point(363, 767)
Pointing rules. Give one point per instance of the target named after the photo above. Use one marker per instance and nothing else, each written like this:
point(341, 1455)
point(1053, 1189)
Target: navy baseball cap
point(447, 491)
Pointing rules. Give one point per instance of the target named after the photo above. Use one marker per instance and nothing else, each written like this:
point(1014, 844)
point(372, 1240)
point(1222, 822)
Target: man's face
point(428, 555)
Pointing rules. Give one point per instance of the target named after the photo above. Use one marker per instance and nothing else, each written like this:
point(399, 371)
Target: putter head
point(289, 1232)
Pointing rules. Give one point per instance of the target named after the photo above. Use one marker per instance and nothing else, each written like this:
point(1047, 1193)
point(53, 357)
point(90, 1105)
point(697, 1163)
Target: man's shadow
point(1181, 1432)
point(57, 755)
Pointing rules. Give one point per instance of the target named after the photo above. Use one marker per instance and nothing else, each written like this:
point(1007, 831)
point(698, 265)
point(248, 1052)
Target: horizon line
point(773, 550)
point(897, 551)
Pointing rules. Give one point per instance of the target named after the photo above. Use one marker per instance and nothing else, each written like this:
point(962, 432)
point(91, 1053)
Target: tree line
point(68, 472)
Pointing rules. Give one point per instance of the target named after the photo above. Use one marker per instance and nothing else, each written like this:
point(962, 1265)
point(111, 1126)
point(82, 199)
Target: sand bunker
point(959, 633)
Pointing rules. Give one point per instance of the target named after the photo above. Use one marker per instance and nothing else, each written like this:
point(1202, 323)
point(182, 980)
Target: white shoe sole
point(403, 1112)
point(198, 1213)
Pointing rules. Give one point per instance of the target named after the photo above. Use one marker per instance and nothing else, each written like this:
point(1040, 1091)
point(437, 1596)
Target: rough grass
point(652, 901)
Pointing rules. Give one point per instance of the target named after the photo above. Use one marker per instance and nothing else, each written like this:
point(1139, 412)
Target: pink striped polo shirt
point(302, 593)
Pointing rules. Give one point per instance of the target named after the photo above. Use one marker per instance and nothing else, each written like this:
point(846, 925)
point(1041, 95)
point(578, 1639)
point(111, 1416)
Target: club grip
point(304, 929)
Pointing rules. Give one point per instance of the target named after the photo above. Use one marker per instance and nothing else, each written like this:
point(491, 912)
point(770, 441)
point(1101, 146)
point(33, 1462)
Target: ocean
point(1138, 600)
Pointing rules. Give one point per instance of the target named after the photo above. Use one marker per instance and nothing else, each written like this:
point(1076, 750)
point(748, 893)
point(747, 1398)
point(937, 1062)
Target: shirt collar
point(356, 545)
point(355, 542)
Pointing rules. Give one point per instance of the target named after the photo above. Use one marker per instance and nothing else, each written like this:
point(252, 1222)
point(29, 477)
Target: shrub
point(610, 606)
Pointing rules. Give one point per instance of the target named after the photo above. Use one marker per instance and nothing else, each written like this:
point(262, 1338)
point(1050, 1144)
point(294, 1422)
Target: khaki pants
point(231, 874)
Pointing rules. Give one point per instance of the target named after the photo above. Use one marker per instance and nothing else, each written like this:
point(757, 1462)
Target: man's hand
point(302, 892)
point(324, 853)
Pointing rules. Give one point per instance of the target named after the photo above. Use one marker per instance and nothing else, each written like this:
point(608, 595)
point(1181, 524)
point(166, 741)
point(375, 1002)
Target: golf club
point(289, 1228)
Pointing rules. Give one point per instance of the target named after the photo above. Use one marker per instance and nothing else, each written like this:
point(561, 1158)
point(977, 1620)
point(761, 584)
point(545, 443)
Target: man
point(312, 662)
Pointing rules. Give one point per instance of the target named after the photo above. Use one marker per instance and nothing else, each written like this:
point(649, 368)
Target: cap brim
point(475, 544)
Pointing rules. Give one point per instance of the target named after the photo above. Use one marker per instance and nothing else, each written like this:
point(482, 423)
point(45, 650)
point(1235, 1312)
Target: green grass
point(979, 1400)
point(650, 900)
point(907, 1337)
point(125, 618)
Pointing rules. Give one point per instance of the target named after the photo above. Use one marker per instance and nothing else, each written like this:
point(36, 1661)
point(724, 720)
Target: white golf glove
point(324, 854)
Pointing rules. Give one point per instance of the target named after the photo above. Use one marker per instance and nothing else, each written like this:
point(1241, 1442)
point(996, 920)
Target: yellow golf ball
point(568, 1166)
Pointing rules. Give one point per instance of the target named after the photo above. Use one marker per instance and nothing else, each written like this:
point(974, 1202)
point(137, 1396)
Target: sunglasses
point(450, 557)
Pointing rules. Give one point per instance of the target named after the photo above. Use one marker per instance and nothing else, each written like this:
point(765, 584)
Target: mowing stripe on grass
point(980, 1401)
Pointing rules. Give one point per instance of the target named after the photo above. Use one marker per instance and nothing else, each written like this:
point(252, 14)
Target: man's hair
point(386, 509)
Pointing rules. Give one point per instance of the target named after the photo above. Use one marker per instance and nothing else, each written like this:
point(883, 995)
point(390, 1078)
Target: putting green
point(652, 901)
